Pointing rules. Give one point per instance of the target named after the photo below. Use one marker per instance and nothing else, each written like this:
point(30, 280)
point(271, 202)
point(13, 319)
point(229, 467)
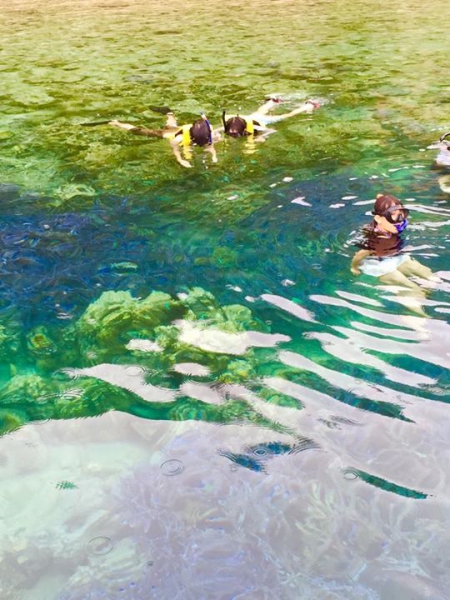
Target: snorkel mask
point(386, 205)
point(402, 222)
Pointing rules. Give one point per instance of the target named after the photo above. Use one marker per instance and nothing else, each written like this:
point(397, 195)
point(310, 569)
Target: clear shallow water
point(268, 425)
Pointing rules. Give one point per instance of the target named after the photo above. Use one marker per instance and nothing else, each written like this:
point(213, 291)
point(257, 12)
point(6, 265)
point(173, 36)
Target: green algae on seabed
point(65, 377)
point(381, 69)
point(71, 65)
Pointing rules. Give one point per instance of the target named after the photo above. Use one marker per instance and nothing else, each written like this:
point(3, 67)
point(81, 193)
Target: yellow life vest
point(249, 127)
point(186, 135)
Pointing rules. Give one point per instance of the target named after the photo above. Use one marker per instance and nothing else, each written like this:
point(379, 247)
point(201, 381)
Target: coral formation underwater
point(56, 376)
point(210, 532)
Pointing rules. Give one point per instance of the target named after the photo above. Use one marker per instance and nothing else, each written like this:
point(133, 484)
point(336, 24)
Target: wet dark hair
point(200, 132)
point(384, 202)
point(235, 126)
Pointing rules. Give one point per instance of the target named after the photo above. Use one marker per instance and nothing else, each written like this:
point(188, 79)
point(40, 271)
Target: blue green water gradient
point(198, 399)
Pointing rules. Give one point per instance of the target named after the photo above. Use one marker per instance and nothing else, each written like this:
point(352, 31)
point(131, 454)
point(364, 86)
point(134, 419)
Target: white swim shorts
point(377, 267)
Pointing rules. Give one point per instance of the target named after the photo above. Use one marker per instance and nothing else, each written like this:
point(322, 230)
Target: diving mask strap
point(205, 118)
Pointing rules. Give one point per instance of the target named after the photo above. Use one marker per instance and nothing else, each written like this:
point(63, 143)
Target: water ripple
point(172, 467)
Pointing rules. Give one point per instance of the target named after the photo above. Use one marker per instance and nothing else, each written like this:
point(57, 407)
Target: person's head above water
point(201, 132)
point(236, 126)
point(443, 145)
point(392, 210)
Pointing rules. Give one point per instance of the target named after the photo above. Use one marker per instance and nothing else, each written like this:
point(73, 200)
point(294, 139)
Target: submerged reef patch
point(127, 353)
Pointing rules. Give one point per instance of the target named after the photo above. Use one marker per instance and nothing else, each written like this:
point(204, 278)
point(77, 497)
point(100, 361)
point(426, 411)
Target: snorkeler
point(257, 122)
point(443, 158)
point(382, 254)
point(199, 133)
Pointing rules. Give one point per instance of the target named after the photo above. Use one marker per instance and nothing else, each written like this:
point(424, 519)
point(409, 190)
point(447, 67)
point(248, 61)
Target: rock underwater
point(55, 373)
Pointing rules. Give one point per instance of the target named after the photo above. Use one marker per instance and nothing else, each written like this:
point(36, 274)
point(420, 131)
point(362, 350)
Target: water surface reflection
point(198, 400)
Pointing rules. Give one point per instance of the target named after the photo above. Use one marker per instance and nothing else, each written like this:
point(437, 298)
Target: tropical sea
point(198, 399)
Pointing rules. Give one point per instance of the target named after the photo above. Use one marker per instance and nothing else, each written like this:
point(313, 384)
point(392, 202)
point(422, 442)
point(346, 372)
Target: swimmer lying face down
point(382, 254)
point(200, 133)
point(181, 138)
point(258, 121)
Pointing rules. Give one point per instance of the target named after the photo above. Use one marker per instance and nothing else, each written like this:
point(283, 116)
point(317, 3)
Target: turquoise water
point(198, 399)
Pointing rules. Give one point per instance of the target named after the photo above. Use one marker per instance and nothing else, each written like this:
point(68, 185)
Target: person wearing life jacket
point(256, 123)
point(181, 139)
point(238, 126)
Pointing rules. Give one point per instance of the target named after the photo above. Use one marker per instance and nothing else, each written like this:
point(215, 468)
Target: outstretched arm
point(137, 130)
point(212, 151)
point(268, 105)
point(357, 260)
point(307, 107)
point(175, 143)
point(261, 133)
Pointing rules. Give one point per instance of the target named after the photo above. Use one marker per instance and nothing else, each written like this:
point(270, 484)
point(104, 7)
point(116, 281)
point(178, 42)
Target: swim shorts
point(377, 267)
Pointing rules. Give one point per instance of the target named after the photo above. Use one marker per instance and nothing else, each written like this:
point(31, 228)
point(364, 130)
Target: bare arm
point(175, 143)
point(262, 132)
point(357, 260)
point(308, 107)
point(268, 105)
point(212, 151)
point(137, 130)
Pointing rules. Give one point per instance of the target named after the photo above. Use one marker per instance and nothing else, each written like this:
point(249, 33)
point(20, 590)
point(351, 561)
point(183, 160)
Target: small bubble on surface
point(261, 451)
point(350, 474)
point(172, 467)
point(100, 545)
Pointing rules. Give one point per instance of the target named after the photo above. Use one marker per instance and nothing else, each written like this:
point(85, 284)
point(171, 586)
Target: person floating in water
point(257, 122)
point(201, 133)
point(442, 161)
point(382, 252)
point(181, 138)
point(443, 145)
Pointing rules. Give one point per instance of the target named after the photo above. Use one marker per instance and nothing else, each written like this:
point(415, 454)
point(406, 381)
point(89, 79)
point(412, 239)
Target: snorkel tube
point(401, 226)
point(237, 126)
point(205, 118)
